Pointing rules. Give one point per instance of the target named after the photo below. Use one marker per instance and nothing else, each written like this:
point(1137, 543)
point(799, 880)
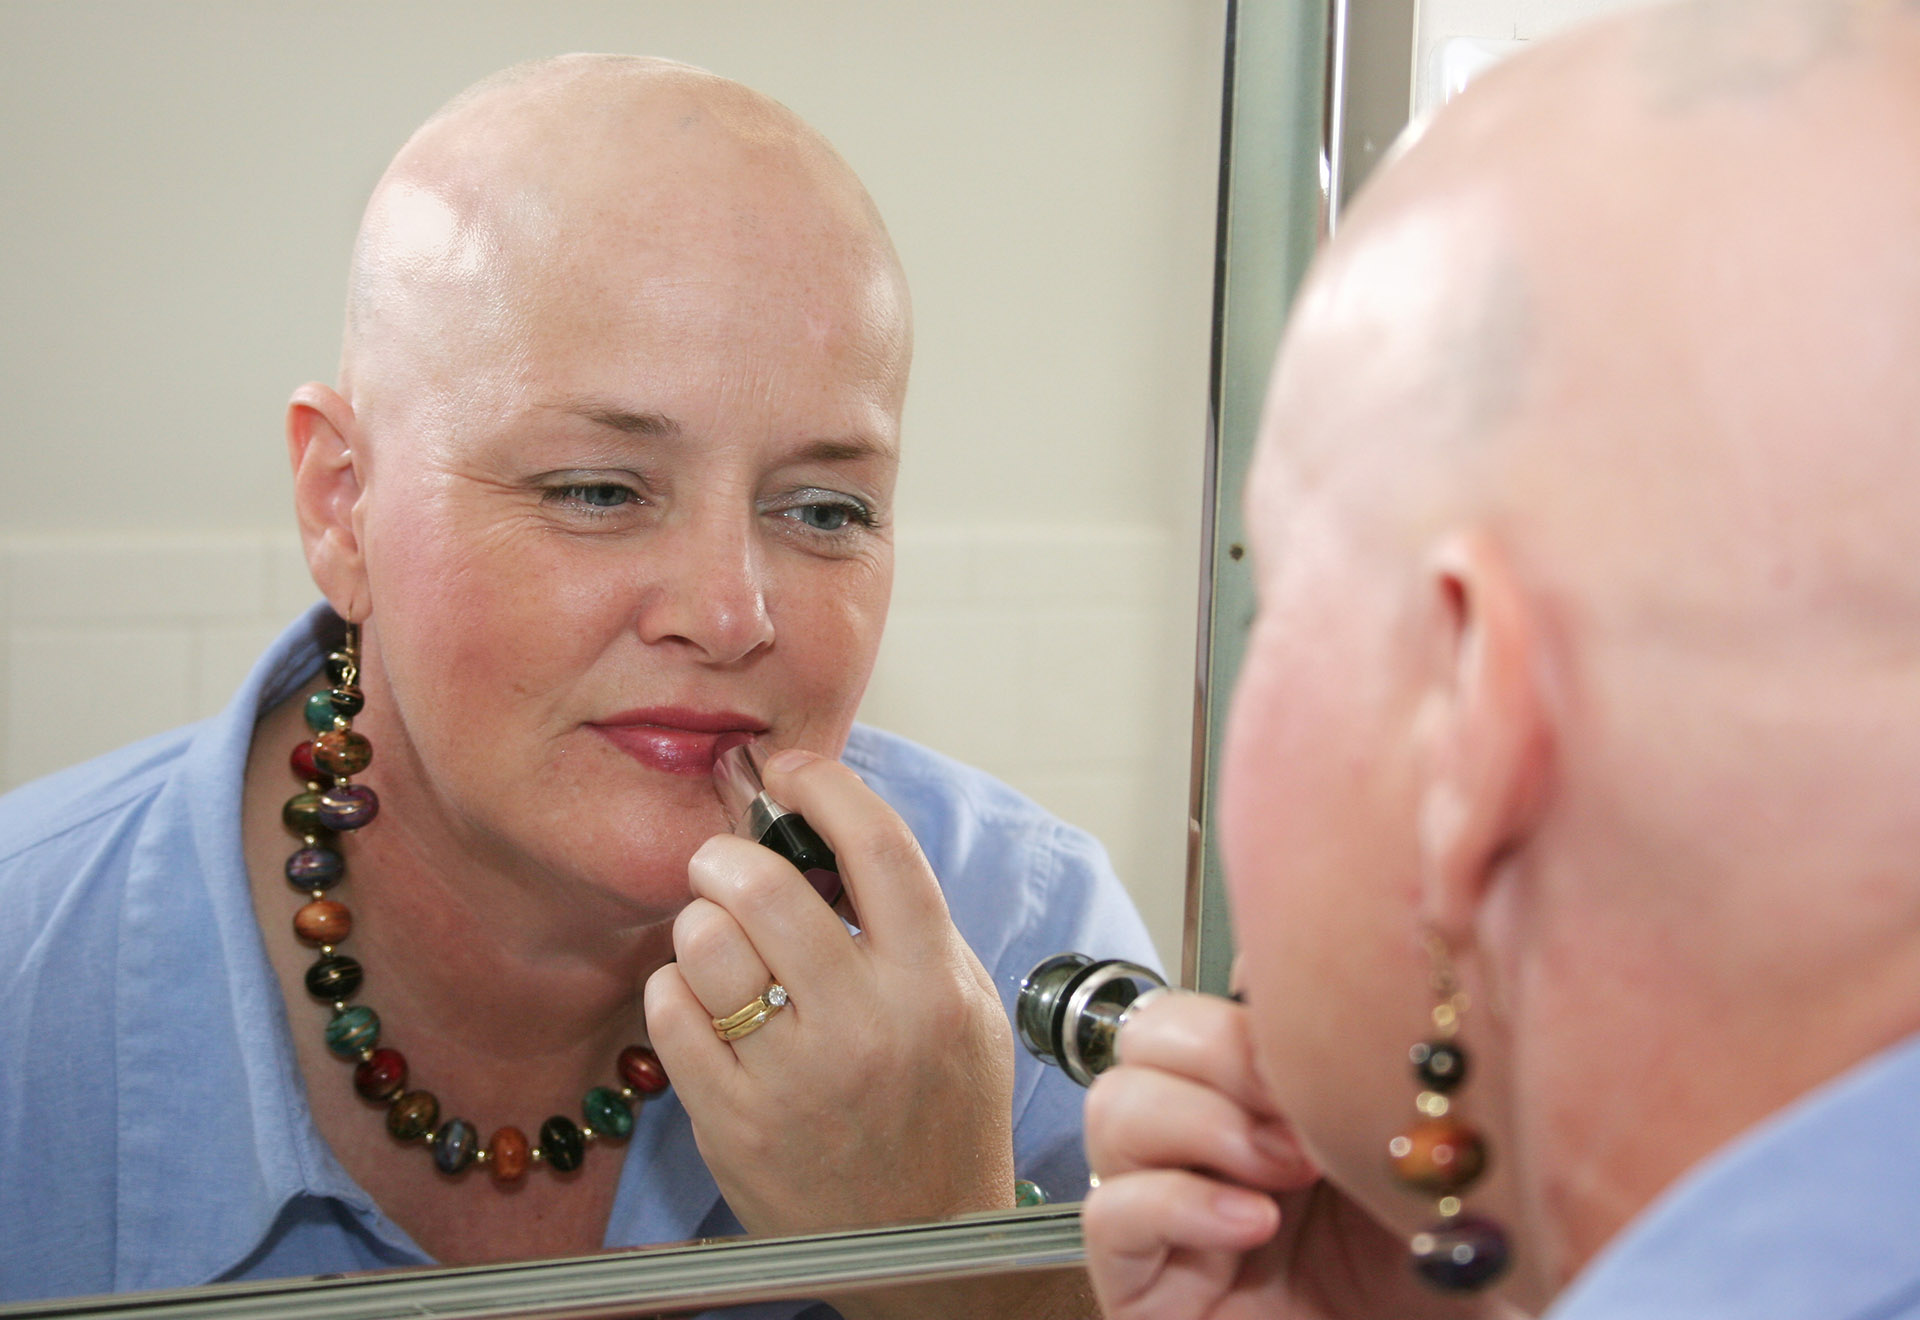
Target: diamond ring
point(754, 1016)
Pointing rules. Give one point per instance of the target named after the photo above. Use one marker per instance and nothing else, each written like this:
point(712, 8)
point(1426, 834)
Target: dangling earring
point(1441, 1157)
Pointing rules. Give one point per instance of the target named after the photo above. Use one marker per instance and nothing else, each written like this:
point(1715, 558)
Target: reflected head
point(1583, 538)
point(616, 430)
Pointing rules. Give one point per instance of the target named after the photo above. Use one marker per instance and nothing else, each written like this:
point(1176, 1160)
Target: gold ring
point(754, 1016)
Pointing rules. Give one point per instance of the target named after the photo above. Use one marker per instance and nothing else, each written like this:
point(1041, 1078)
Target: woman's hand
point(1207, 1204)
point(884, 1090)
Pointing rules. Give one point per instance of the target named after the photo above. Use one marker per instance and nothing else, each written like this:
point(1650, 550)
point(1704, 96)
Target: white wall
point(178, 189)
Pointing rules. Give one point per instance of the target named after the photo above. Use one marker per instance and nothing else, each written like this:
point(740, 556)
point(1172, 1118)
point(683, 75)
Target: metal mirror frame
point(1308, 105)
point(1316, 94)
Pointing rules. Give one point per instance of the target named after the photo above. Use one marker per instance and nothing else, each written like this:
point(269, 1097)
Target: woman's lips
point(678, 742)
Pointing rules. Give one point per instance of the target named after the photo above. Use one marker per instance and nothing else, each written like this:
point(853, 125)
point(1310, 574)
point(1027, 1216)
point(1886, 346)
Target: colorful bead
point(639, 1067)
point(348, 806)
point(562, 1144)
point(455, 1145)
point(319, 712)
point(1440, 1155)
point(334, 978)
point(413, 1115)
point(337, 752)
point(342, 752)
point(1460, 1255)
point(607, 1112)
point(381, 1076)
point(315, 867)
point(323, 921)
point(507, 1155)
point(353, 1030)
point(1026, 1194)
point(1440, 1065)
point(301, 814)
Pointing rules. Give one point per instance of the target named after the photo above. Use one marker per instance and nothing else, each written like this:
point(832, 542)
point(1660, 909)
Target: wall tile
point(223, 655)
point(71, 579)
point(75, 692)
point(1086, 565)
point(290, 586)
point(934, 567)
point(1087, 696)
point(950, 677)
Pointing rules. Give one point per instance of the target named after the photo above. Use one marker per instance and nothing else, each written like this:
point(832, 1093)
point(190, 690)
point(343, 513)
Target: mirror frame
point(635, 1282)
point(1273, 202)
point(1334, 91)
point(1287, 116)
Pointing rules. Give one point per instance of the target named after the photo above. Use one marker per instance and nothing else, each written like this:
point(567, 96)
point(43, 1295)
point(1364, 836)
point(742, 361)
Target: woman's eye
point(593, 495)
point(824, 511)
point(824, 517)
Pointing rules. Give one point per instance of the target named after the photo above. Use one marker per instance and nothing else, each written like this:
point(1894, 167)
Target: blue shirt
point(1812, 1215)
point(154, 1129)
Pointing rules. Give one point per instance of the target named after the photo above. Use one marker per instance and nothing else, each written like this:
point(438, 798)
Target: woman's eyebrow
point(623, 419)
point(655, 425)
point(848, 449)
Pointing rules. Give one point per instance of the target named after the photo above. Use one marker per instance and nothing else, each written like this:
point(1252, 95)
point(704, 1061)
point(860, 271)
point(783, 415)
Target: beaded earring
point(1440, 1156)
point(330, 805)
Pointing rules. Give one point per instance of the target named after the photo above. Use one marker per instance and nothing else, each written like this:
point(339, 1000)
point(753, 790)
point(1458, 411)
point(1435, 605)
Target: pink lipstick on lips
point(676, 739)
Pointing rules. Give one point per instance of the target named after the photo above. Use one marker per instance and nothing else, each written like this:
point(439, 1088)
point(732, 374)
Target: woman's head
point(1587, 616)
point(609, 470)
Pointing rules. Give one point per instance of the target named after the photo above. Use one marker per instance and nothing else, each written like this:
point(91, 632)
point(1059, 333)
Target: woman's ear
point(1487, 744)
point(328, 472)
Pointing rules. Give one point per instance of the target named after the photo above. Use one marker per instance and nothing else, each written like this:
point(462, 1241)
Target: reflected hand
point(1208, 1205)
point(884, 1090)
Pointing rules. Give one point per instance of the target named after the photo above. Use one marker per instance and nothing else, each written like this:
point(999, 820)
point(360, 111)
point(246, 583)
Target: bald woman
point(437, 946)
point(1570, 805)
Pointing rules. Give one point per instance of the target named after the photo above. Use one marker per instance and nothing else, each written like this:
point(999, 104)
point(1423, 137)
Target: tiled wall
point(1058, 659)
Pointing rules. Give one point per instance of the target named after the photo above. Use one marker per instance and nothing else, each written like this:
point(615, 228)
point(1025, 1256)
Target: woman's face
point(650, 507)
point(1321, 867)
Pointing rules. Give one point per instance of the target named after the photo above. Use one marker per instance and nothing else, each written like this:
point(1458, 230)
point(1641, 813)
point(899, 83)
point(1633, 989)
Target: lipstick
point(756, 816)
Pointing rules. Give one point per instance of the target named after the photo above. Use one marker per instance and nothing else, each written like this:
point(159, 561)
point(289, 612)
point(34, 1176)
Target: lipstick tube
point(756, 816)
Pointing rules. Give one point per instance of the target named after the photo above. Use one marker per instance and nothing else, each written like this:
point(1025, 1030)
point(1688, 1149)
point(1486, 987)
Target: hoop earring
point(1440, 1156)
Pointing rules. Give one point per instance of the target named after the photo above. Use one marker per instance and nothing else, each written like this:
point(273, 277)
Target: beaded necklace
point(331, 804)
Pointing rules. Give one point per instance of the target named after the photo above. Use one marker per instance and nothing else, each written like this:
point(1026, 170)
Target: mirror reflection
point(601, 481)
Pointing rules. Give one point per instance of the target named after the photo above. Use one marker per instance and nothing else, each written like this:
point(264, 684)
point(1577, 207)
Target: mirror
point(187, 181)
point(183, 183)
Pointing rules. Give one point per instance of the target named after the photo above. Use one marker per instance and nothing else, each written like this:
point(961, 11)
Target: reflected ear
point(322, 440)
point(1487, 742)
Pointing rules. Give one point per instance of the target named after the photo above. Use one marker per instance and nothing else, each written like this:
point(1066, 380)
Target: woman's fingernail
point(1276, 1145)
point(788, 758)
point(1238, 1206)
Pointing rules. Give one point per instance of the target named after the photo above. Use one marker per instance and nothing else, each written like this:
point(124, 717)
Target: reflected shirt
point(1812, 1215)
point(154, 1128)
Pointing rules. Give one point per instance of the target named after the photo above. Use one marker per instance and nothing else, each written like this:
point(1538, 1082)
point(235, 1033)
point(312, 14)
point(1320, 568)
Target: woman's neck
point(508, 996)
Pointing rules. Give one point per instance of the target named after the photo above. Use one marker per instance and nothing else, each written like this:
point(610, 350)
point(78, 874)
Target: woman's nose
point(710, 594)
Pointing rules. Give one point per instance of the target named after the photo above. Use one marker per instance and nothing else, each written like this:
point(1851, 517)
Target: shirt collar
point(210, 1090)
point(1810, 1216)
